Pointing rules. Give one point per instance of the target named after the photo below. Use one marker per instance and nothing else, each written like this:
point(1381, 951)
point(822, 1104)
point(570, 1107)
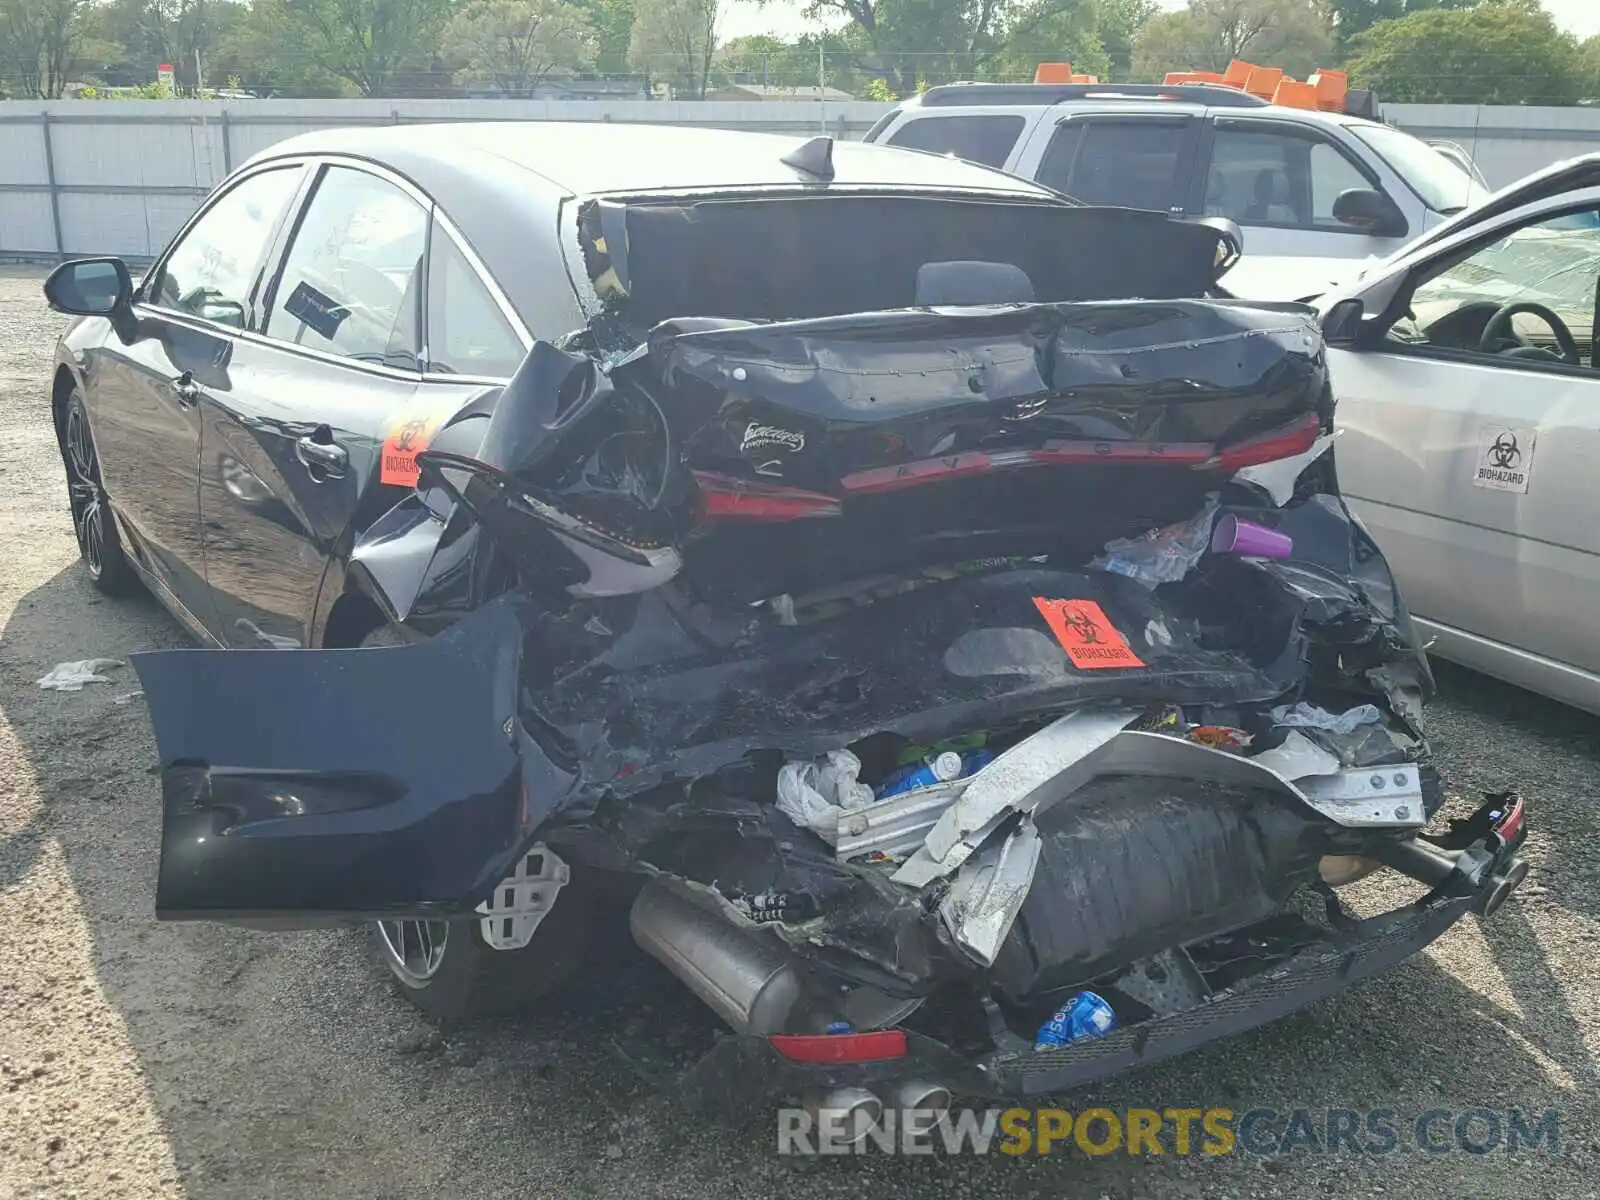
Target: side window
point(349, 283)
point(1526, 297)
point(1127, 163)
point(467, 332)
point(1263, 177)
point(211, 271)
point(1331, 174)
point(986, 139)
point(1055, 168)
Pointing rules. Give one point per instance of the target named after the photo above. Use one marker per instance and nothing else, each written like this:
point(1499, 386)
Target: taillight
point(723, 498)
point(1269, 447)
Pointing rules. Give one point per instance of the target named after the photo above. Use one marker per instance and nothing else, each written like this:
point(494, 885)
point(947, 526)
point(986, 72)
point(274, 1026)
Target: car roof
point(597, 158)
point(1109, 100)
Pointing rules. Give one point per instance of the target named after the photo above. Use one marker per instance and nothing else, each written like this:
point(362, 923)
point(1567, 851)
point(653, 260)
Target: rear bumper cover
point(739, 1066)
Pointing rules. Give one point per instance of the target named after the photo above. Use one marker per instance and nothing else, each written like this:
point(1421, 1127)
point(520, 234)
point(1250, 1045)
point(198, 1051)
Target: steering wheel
point(1500, 338)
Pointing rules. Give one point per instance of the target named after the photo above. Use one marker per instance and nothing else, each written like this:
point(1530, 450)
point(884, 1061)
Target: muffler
point(748, 981)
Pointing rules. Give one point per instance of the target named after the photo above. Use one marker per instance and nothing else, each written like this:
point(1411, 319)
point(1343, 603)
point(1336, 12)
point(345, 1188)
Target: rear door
point(1126, 159)
point(291, 451)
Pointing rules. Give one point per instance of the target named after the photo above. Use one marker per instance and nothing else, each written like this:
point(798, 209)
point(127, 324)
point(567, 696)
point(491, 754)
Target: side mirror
point(90, 287)
point(1341, 324)
point(1371, 212)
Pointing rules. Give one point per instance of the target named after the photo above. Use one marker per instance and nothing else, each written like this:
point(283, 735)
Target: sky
point(783, 17)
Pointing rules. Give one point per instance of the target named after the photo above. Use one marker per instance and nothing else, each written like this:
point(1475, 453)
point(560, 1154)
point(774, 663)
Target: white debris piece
point(1298, 758)
point(71, 676)
point(1309, 716)
point(813, 794)
point(1280, 476)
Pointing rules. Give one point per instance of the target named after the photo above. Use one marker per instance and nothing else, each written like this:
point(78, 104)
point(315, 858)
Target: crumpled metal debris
point(71, 676)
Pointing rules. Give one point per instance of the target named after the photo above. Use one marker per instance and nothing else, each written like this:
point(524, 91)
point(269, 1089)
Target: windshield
point(1442, 184)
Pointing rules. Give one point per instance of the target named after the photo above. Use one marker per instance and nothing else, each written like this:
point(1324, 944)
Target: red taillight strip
point(724, 498)
point(1286, 442)
point(840, 1047)
point(729, 499)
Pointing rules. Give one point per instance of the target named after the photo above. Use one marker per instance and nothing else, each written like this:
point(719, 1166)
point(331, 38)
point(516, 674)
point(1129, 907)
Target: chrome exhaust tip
point(918, 1095)
point(844, 1116)
point(1501, 886)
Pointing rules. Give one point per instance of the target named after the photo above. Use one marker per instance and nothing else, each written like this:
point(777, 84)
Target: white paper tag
point(1505, 458)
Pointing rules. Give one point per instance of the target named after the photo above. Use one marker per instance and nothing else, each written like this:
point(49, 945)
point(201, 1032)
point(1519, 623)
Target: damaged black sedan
point(920, 597)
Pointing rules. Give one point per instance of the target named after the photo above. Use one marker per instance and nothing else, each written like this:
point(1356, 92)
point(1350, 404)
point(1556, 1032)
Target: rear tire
point(92, 523)
point(447, 970)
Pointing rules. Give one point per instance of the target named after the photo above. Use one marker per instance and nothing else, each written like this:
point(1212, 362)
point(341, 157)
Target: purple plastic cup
point(1248, 540)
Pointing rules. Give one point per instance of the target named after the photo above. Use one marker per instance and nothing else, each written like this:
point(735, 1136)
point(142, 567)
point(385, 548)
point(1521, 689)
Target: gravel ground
point(139, 1059)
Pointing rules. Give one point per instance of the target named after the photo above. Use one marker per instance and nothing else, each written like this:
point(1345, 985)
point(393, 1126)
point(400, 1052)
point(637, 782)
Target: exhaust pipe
point(748, 981)
point(844, 1116)
point(920, 1095)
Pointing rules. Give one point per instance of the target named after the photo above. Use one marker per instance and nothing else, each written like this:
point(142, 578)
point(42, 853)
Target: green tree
point(676, 39)
point(1050, 31)
point(369, 43)
point(1209, 34)
point(1354, 17)
point(1500, 52)
point(186, 34)
point(516, 44)
point(915, 42)
point(765, 59)
point(612, 22)
point(38, 42)
point(1118, 23)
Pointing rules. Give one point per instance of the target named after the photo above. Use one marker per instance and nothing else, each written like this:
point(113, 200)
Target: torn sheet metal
point(989, 891)
point(1032, 774)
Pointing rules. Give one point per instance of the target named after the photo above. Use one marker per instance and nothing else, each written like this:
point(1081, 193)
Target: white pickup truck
point(1318, 195)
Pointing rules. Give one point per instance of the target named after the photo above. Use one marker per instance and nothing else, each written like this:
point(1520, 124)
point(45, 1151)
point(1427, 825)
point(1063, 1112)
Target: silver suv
point(1317, 194)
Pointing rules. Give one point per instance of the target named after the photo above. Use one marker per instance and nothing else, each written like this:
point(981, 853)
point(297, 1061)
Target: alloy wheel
point(414, 949)
point(83, 485)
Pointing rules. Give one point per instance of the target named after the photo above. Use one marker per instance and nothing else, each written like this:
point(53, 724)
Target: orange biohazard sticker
point(399, 461)
point(1086, 634)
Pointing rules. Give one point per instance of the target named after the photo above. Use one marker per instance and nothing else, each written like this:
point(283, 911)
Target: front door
point(1278, 183)
point(290, 456)
point(144, 396)
point(1471, 429)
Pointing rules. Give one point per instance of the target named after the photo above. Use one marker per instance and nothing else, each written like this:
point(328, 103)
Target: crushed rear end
point(765, 567)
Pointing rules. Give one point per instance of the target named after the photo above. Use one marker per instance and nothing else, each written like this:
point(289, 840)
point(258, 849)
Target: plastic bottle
point(1086, 1015)
point(941, 768)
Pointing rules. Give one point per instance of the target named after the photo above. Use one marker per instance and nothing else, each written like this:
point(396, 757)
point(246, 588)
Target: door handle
point(185, 389)
point(328, 457)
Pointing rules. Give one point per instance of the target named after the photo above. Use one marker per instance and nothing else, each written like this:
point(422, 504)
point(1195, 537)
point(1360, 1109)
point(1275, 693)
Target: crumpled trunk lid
point(771, 458)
